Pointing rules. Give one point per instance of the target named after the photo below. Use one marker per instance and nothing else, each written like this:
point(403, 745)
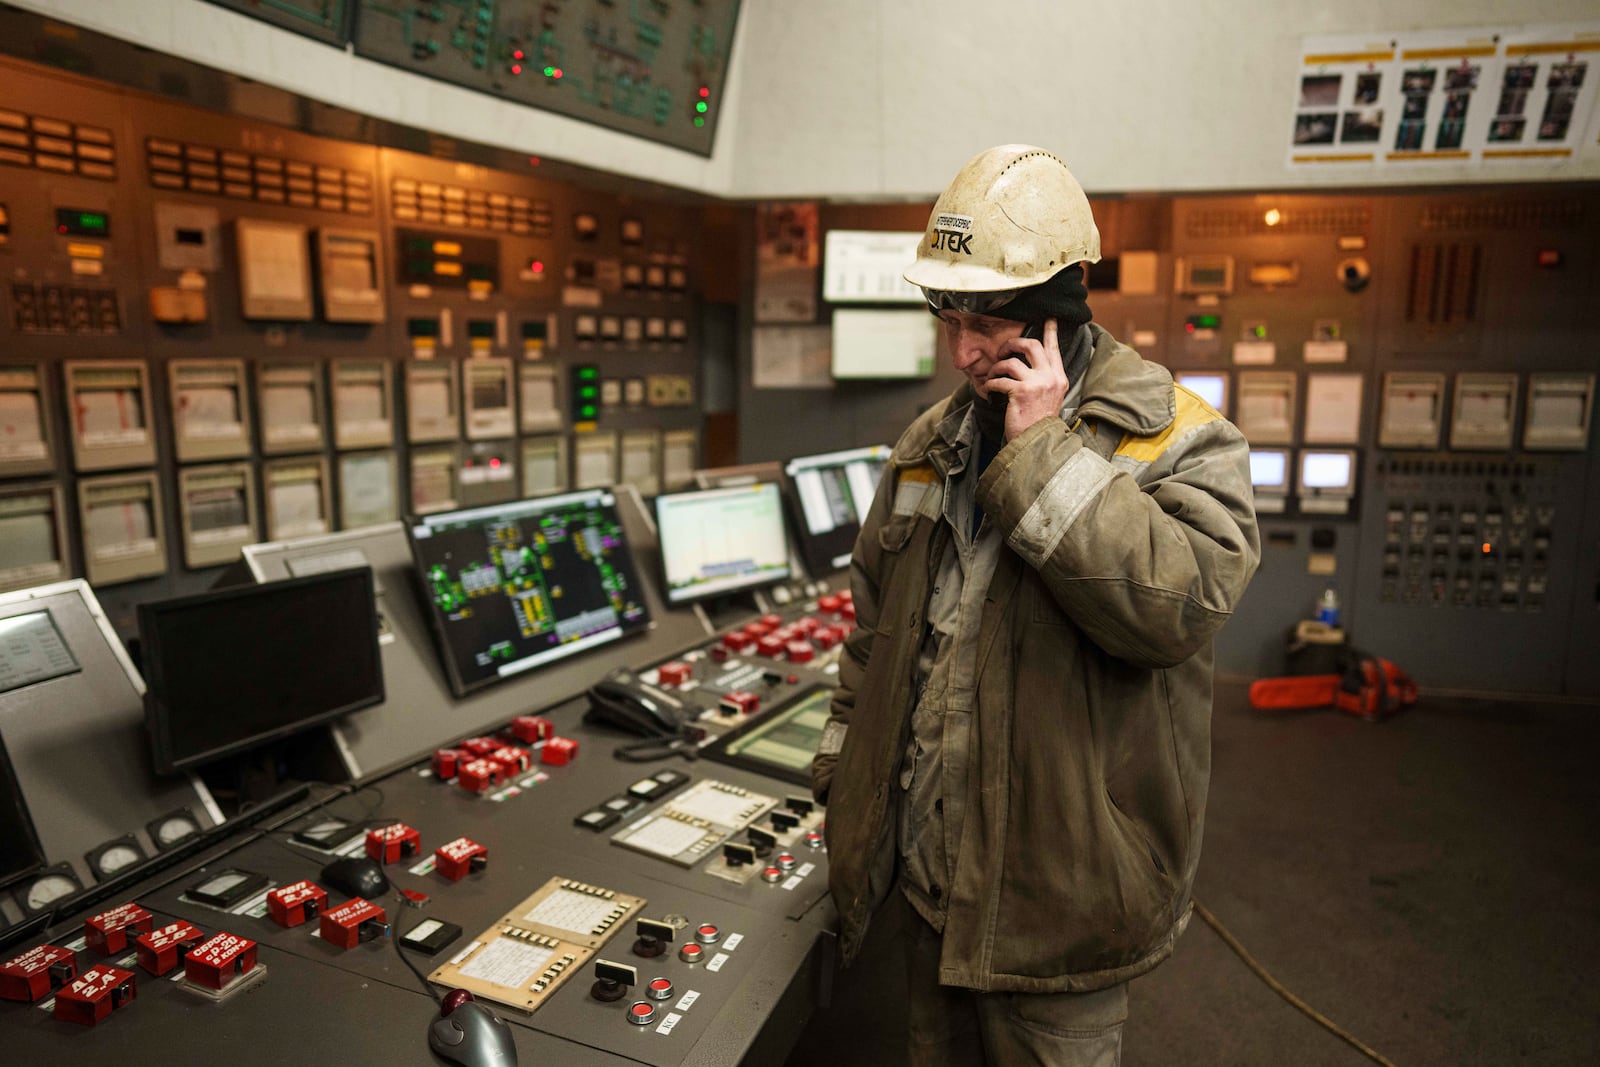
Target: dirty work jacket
point(1130, 535)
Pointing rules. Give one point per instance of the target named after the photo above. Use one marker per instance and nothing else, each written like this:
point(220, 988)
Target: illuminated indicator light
point(558, 73)
point(533, 161)
point(698, 121)
point(518, 54)
point(549, 72)
point(450, 270)
point(446, 248)
point(516, 68)
point(1189, 326)
point(588, 374)
point(1272, 217)
point(705, 90)
point(494, 462)
point(588, 411)
point(537, 266)
point(701, 107)
point(587, 392)
point(1260, 331)
point(1487, 548)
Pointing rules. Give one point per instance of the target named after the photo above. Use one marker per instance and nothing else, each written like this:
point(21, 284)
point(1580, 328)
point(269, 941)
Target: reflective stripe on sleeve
point(1058, 506)
point(832, 742)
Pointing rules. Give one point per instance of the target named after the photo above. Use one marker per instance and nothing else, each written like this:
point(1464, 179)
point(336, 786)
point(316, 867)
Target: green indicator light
point(698, 121)
point(588, 411)
point(549, 72)
point(701, 107)
point(587, 392)
point(1260, 331)
point(588, 374)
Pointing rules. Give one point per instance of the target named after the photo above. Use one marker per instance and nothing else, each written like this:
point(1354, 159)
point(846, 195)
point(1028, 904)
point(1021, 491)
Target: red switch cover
point(160, 950)
point(353, 922)
point(107, 933)
point(296, 903)
point(479, 746)
point(446, 760)
point(513, 759)
point(460, 858)
point(36, 972)
point(219, 960)
point(98, 993)
point(531, 729)
point(479, 775)
point(558, 751)
point(392, 843)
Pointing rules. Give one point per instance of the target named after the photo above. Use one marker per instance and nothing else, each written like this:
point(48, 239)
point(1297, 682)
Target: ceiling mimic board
point(653, 68)
point(325, 20)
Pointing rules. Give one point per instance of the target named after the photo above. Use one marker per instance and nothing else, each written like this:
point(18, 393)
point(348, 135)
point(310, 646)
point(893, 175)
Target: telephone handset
point(625, 700)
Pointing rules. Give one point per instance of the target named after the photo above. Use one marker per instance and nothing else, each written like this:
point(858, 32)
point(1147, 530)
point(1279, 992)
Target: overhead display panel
point(657, 71)
point(324, 20)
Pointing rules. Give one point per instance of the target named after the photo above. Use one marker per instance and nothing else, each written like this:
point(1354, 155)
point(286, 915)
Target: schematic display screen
point(830, 494)
point(516, 586)
point(718, 540)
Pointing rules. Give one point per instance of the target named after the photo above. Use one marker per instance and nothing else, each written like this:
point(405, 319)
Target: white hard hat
point(1011, 218)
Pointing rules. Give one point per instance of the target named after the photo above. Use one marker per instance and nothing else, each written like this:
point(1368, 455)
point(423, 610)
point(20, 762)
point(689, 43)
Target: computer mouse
point(470, 1034)
point(356, 876)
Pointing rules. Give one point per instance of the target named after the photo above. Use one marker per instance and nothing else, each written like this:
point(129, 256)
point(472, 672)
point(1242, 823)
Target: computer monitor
point(234, 669)
point(1327, 473)
point(1210, 386)
point(1269, 470)
point(511, 587)
point(716, 541)
point(830, 494)
point(20, 850)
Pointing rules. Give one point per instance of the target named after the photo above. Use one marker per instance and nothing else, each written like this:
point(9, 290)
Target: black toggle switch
point(783, 821)
point(653, 938)
point(737, 855)
point(762, 841)
point(612, 980)
point(801, 806)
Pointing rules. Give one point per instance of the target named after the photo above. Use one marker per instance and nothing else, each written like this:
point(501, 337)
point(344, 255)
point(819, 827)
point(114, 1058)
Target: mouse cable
point(427, 986)
point(1277, 987)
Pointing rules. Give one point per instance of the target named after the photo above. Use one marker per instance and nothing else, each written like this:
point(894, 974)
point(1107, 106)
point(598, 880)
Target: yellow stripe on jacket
point(1192, 412)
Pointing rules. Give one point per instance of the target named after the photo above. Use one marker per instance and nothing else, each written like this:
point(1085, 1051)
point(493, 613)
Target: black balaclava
point(1062, 297)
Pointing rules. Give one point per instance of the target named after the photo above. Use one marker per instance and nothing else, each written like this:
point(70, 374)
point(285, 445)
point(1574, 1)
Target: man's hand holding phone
point(1031, 378)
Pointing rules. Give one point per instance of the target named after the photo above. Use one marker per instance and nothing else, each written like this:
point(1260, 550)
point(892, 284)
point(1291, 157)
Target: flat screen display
point(781, 743)
point(830, 494)
point(234, 669)
point(1212, 388)
point(716, 541)
point(20, 851)
point(1329, 472)
point(515, 586)
point(1269, 470)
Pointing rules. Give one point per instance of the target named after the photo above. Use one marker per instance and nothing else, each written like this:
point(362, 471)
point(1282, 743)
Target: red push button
point(800, 652)
point(353, 922)
point(772, 874)
point(515, 760)
point(707, 934)
point(691, 953)
point(675, 673)
point(641, 1012)
point(785, 861)
point(740, 702)
point(757, 629)
point(479, 746)
point(479, 775)
point(830, 603)
point(659, 988)
point(294, 904)
point(808, 625)
point(737, 642)
point(772, 620)
point(813, 839)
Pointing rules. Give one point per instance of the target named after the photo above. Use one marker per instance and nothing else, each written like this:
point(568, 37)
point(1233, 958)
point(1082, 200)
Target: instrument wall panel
point(1306, 240)
point(1583, 666)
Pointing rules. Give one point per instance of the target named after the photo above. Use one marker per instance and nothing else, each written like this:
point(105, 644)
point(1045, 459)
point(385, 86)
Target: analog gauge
point(47, 887)
point(114, 857)
point(173, 828)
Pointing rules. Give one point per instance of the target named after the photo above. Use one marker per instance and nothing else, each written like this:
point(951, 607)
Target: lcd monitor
point(829, 495)
point(235, 669)
point(512, 587)
point(718, 541)
point(1327, 473)
point(20, 850)
point(1269, 470)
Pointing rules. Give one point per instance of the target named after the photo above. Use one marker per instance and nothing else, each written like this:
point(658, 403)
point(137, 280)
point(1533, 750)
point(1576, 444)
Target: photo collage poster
point(1474, 96)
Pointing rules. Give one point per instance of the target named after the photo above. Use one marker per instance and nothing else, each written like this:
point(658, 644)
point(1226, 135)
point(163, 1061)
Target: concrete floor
point(1430, 883)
